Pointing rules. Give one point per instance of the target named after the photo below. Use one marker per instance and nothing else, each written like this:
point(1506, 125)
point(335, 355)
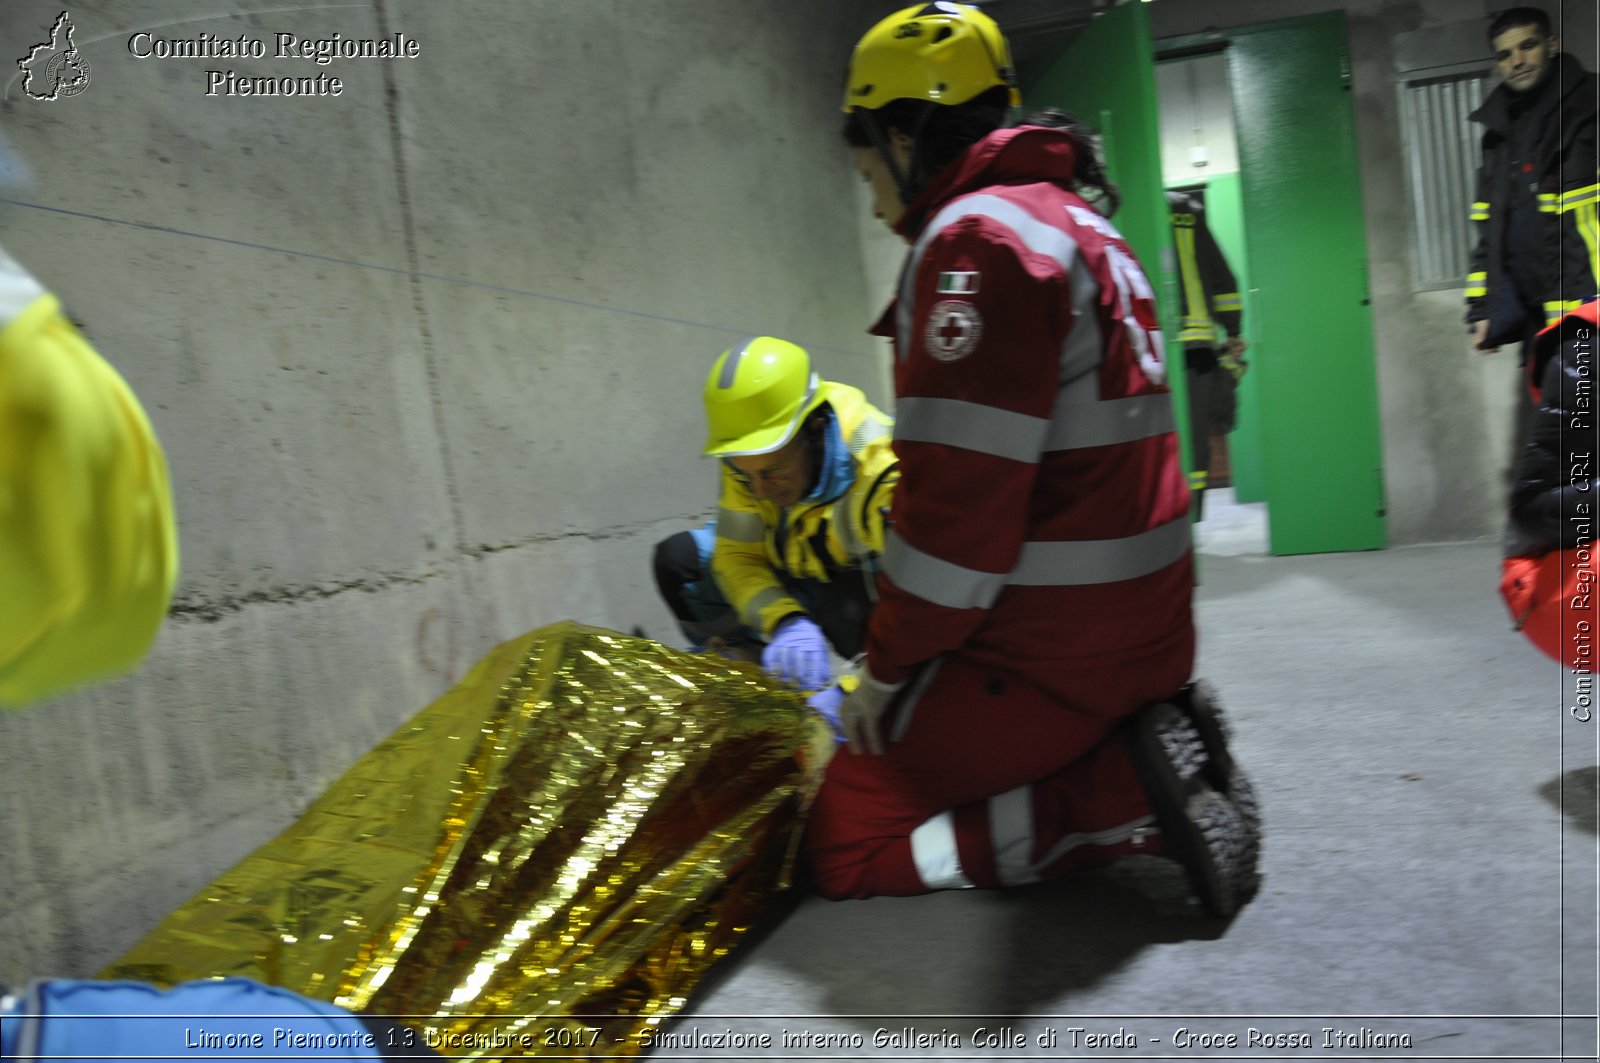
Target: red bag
point(1552, 596)
point(1552, 601)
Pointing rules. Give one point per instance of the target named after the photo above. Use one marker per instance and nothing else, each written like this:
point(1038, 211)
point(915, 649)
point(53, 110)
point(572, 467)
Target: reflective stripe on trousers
point(936, 849)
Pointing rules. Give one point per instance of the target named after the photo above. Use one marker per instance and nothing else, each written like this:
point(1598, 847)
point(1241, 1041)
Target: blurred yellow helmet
point(88, 540)
point(757, 395)
point(943, 52)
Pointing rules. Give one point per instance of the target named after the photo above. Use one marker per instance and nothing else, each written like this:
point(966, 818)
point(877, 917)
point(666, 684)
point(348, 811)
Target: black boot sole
point(1202, 830)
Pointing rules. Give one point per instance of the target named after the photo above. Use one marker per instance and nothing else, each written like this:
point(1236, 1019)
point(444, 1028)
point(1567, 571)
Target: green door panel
point(1316, 380)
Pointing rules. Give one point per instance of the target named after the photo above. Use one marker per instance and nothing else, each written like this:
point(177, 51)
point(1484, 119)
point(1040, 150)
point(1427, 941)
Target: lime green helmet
point(944, 53)
point(757, 395)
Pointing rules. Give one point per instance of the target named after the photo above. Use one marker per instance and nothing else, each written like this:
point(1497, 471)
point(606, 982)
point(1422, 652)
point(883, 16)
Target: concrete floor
point(1422, 877)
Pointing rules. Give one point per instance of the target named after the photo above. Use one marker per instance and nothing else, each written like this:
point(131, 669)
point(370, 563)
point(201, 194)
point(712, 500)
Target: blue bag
point(229, 1018)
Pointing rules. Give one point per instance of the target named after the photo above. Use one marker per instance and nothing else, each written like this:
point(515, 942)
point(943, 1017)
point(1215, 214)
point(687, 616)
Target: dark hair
point(943, 133)
point(1513, 17)
point(1090, 171)
point(814, 430)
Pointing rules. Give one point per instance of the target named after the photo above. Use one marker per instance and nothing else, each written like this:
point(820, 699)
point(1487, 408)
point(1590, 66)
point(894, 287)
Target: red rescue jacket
point(1040, 525)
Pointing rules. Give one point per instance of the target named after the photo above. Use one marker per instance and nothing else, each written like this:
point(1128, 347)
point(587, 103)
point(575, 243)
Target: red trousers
point(987, 781)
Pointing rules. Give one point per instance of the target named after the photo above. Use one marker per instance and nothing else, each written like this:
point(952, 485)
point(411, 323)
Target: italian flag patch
point(958, 283)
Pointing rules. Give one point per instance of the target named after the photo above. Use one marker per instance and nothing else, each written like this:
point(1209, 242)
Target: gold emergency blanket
point(542, 862)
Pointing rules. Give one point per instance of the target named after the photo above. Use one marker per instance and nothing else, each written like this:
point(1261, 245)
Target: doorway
point(1304, 245)
point(1200, 160)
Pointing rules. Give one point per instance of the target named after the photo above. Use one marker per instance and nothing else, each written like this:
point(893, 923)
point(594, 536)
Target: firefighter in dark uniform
point(1210, 334)
point(1538, 250)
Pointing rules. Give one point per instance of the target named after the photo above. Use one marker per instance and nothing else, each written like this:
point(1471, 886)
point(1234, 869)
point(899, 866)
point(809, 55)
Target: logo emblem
point(954, 328)
point(55, 69)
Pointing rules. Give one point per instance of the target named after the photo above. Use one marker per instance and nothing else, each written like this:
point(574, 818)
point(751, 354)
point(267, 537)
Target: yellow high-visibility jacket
point(88, 541)
point(768, 559)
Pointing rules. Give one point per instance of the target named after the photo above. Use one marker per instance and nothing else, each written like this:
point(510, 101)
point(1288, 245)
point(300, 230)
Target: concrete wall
point(426, 359)
point(1446, 409)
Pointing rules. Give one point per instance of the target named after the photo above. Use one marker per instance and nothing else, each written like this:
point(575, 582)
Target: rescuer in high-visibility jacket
point(1022, 708)
point(88, 542)
point(808, 474)
point(1211, 334)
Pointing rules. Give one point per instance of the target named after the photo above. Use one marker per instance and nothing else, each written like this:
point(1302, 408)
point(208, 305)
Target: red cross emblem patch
point(953, 329)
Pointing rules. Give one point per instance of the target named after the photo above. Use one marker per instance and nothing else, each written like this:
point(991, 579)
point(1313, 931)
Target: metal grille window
point(1442, 153)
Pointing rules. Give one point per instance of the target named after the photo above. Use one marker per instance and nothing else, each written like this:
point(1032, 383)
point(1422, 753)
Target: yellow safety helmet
point(757, 395)
point(943, 52)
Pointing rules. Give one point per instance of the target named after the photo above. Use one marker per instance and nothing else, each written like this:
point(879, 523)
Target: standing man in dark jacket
point(1538, 250)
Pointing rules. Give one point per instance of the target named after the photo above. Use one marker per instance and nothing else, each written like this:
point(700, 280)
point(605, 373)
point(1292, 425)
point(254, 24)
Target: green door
point(1107, 77)
point(1306, 239)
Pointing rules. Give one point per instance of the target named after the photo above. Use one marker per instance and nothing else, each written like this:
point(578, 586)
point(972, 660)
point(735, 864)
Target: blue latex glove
point(798, 655)
point(825, 703)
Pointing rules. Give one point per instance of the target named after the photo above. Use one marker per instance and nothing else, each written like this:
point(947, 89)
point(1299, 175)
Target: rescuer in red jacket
point(1022, 708)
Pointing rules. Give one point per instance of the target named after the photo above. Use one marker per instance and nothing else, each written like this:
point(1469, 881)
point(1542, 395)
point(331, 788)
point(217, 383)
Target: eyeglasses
point(782, 468)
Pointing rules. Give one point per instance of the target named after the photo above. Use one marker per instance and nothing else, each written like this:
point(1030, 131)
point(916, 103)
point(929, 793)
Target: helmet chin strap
point(917, 167)
point(910, 181)
point(880, 140)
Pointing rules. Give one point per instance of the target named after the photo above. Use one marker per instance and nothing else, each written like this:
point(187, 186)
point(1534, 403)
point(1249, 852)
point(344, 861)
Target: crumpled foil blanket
point(545, 861)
